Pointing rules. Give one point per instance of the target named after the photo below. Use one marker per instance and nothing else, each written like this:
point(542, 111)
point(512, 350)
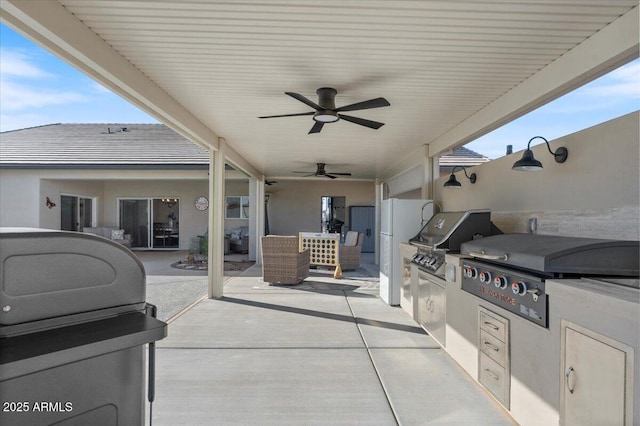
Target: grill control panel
point(431, 262)
point(517, 292)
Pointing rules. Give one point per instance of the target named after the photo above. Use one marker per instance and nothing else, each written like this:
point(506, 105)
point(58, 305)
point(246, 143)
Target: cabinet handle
point(491, 374)
point(483, 255)
point(492, 346)
point(569, 382)
point(430, 305)
point(492, 325)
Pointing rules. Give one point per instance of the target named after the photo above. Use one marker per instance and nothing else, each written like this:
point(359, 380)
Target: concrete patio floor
point(173, 290)
point(325, 352)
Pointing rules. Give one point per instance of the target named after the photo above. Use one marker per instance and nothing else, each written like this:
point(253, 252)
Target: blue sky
point(37, 88)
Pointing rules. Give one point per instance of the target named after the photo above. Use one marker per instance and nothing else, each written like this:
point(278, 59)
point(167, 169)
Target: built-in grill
point(73, 325)
point(444, 233)
point(510, 270)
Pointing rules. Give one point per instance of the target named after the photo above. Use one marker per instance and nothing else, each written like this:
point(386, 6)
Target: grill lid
point(447, 230)
point(554, 254)
point(46, 274)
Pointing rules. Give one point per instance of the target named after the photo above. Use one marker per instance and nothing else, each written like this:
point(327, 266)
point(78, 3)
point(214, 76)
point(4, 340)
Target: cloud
point(16, 96)
point(18, 64)
point(24, 86)
point(99, 89)
point(622, 82)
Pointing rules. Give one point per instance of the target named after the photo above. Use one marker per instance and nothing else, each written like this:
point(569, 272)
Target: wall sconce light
point(170, 202)
point(453, 182)
point(50, 204)
point(528, 163)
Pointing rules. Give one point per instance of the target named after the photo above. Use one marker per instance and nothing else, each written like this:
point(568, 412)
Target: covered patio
point(439, 75)
point(327, 351)
point(451, 73)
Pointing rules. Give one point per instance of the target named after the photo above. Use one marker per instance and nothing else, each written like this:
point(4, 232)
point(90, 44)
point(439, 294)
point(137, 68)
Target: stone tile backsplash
point(620, 223)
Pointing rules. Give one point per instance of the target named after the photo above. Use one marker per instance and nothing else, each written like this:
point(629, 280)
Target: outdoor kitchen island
point(533, 370)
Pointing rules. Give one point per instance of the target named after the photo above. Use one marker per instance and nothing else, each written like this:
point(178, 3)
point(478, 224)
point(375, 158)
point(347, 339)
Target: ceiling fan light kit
point(326, 111)
point(326, 116)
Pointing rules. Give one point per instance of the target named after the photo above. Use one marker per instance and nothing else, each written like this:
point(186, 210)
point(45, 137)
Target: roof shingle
point(125, 145)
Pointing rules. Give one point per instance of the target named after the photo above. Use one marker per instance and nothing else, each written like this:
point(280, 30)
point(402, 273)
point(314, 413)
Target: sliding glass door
point(153, 223)
point(134, 219)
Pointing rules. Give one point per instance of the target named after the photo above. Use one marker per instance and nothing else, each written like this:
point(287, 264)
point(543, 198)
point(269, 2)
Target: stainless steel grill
point(73, 325)
point(510, 270)
point(444, 233)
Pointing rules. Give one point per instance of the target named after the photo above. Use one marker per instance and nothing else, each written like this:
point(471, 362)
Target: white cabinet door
point(594, 381)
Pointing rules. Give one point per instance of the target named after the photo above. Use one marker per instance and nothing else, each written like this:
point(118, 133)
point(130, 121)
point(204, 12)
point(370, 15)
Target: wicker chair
point(350, 255)
point(282, 262)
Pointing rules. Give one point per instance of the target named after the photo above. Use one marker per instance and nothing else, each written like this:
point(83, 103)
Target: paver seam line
point(185, 310)
point(311, 348)
point(373, 364)
point(298, 347)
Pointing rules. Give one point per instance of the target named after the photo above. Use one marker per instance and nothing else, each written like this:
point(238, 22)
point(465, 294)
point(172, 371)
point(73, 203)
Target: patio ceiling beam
point(613, 46)
point(56, 29)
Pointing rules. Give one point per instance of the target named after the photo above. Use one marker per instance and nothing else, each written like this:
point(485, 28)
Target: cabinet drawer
point(495, 378)
point(494, 348)
point(494, 325)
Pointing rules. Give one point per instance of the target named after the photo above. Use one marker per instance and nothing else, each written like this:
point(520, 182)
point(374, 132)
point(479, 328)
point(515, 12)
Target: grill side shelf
point(29, 353)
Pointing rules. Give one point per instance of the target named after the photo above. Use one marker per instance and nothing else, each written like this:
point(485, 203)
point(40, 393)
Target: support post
point(216, 221)
point(376, 257)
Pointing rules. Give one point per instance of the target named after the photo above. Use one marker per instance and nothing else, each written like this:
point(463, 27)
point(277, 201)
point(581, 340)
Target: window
point(237, 207)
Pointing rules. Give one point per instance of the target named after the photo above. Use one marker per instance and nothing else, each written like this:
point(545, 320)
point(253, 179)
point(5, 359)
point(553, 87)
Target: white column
point(256, 216)
point(379, 187)
point(428, 174)
point(216, 221)
point(260, 208)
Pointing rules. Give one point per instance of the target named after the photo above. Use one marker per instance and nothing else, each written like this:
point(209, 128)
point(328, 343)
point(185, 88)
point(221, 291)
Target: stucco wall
point(294, 206)
point(595, 193)
point(20, 202)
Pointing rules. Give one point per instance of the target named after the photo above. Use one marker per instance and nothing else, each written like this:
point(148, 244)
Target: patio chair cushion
point(108, 232)
point(351, 239)
point(117, 234)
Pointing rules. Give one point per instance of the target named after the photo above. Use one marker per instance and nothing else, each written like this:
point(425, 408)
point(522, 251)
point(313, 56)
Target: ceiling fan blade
point(371, 103)
point(362, 121)
point(330, 176)
point(289, 115)
point(304, 100)
point(341, 174)
point(316, 127)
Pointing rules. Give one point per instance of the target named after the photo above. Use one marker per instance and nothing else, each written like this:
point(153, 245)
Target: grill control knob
point(485, 277)
point(519, 288)
point(472, 272)
point(500, 282)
